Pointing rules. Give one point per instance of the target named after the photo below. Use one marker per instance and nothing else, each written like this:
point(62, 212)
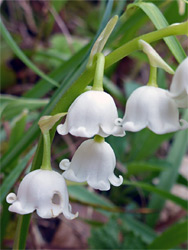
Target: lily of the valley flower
point(43, 190)
point(93, 162)
point(179, 86)
point(93, 112)
point(153, 108)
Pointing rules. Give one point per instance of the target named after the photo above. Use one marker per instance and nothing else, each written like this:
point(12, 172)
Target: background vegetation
point(45, 46)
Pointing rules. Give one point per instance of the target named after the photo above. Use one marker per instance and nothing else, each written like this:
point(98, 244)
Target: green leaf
point(130, 86)
point(182, 180)
point(102, 39)
point(157, 18)
point(168, 178)
point(134, 168)
point(6, 35)
point(172, 237)
point(14, 174)
point(112, 89)
point(140, 229)
point(107, 236)
point(21, 231)
point(4, 220)
point(15, 105)
point(49, 22)
point(18, 129)
point(162, 193)
point(64, 71)
point(143, 146)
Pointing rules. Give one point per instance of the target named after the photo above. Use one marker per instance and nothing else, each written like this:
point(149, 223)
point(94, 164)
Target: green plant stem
point(124, 50)
point(46, 160)
point(152, 77)
point(99, 72)
point(98, 139)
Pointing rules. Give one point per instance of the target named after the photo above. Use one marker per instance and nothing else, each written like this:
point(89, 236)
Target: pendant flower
point(45, 191)
point(179, 86)
point(93, 112)
point(153, 108)
point(93, 162)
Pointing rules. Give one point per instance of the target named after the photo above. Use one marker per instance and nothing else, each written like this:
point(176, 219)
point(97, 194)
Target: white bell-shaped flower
point(43, 190)
point(179, 86)
point(93, 162)
point(93, 112)
point(152, 107)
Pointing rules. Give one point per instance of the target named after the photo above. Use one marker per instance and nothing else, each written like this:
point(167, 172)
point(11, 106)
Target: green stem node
point(152, 77)
point(99, 72)
point(98, 139)
point(46, 160)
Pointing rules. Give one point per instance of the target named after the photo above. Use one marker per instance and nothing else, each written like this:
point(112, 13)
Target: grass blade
point(162, 193)
point(172, 237)
point(168, 178)
point(67, 68)
point(158, 19)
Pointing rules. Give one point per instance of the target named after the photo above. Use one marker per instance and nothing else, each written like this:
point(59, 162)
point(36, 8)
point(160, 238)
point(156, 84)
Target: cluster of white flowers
point(94, 113)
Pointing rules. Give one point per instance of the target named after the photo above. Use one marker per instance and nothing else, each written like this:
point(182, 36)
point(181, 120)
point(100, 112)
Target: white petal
point(16, 207)
point(70, 175)
point(184, 124)
point(62, 129)
point(93, 112)
point(181, 99)
point(136, 114)
point(93, 162)
point(84, 131)
point(100, 185)
point(11, 198)
point(68, 215)
point(114, 180)
point(116, 131)
point(179, 86)
point(164, 117)
point(64, 164)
